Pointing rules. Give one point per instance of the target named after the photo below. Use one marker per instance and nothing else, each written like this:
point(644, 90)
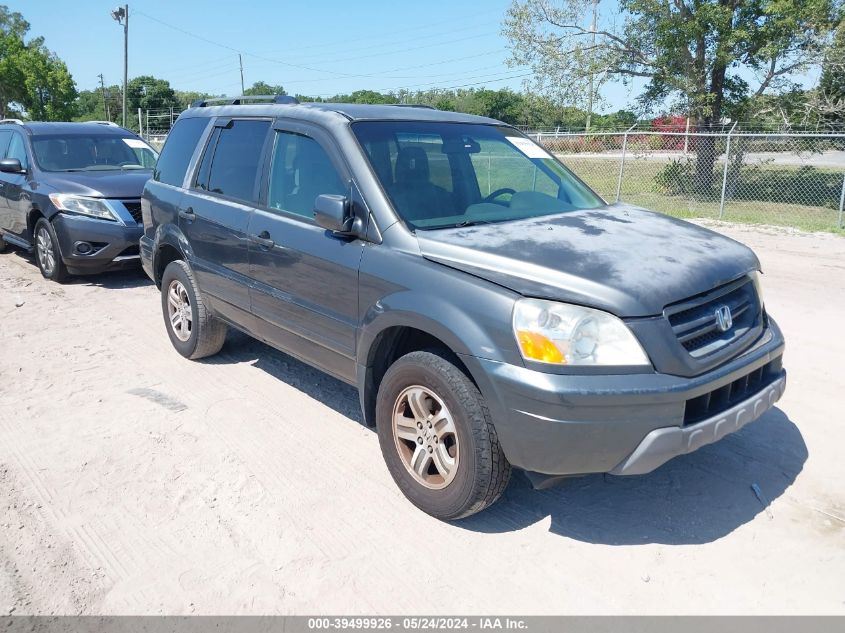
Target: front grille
point(134, 208)
point(720, 400)
point(696, 324)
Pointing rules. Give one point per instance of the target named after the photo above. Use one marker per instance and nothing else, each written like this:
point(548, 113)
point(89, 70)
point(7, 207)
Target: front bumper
point(625, 424)
point(113, 245)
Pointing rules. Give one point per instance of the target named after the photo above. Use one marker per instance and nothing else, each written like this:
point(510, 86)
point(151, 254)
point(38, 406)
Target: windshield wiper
point(465, 223)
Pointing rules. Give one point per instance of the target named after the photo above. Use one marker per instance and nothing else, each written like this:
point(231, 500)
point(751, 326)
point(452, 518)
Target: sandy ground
point(134, 481)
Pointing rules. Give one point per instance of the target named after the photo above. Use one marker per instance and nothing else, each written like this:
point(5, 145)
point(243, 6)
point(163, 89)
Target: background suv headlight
point(564, 334)
point(82, 205)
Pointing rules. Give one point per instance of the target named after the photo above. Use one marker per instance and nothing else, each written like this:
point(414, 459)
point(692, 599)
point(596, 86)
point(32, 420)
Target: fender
point(432, 314)
point(441, 318)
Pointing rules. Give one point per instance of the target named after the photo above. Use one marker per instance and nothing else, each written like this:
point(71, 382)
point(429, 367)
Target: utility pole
point(592, 56)
point(121, 16)
point(241, 62)
point(105, 104)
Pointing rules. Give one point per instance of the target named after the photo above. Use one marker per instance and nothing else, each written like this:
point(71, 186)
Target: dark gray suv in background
point(492, 310)
point(72, 193)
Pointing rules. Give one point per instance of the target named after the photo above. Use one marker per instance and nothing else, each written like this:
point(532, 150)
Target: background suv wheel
point(47, 253)
point(437, 438)
point(194, 332)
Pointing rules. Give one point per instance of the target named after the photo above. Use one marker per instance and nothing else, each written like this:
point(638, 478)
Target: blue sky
point(316, 47)
point(321, 47)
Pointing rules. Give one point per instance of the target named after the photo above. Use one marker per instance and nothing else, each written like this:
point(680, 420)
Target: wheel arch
point(170, 245)
point(398, 332)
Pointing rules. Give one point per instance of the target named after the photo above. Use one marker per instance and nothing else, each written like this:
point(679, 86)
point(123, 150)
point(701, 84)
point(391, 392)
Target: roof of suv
point(38, 128)
point(350, 111)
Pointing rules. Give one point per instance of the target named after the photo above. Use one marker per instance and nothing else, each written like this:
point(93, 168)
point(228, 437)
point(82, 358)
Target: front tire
point(437, 437)
point(47, 253)
point(194, 332)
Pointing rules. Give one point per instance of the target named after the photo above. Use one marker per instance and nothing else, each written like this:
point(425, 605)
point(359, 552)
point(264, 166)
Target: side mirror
point(332, 212)
point(11, 166)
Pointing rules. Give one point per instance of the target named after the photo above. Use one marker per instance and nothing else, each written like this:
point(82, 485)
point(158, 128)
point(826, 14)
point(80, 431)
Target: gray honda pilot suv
point(491, 309)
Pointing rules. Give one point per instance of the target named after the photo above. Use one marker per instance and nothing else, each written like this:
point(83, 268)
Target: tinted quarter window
point(234, 165)
point(301, 171)
point(178, 150)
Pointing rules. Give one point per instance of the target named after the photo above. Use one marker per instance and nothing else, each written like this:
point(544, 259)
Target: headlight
point(93, 207)
point(564, 334)
point(758, 286)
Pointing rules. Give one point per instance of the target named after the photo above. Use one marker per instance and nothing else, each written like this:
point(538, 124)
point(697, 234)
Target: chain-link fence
point(786, 179)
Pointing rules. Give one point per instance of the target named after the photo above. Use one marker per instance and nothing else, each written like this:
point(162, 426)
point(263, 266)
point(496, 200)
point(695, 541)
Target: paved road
point(133, 481)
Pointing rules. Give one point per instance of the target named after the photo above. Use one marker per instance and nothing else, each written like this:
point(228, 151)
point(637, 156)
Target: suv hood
point(99, 184)
point(622, 259)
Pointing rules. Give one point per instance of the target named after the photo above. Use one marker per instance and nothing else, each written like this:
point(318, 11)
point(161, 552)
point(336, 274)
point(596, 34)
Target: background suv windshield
point(454, 174)
point(83, 152)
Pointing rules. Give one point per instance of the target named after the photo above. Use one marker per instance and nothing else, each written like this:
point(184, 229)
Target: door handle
point(187, 214)
point(263, 239)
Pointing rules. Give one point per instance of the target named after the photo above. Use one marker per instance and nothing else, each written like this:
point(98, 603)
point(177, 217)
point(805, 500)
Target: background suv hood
point(103, 184)
point(622, 259)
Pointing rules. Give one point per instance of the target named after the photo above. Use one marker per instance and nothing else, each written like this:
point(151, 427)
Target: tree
point(263, 88)
point(33, 81)
point(150, 93)
point(694, 51)
point(831, 92)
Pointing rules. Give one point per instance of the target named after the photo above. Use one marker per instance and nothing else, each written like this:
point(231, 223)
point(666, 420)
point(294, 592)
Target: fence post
point(725, 172)
point(622, 162)
point(842, 201)
point(140, 124)
point(686, 139)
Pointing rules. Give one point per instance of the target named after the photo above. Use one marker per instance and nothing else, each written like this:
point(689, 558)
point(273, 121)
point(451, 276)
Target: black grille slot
point(134, 208)
point(719, 400)
point(696, 324)
point(130, 251)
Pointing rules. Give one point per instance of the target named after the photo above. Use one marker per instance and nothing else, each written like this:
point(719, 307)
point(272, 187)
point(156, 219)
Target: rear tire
point(2, 244)
point(437, 437)
point(194, 332)
point(47, 253)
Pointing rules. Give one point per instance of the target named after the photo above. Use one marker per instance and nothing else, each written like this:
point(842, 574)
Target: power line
point(416, 29)
point(330, 52)
point(233, 49)
point(309, 68)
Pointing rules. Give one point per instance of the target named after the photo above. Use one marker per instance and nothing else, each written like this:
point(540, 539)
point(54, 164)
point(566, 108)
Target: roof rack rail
point(15, 121)
point(287, 99)
point(413, 105)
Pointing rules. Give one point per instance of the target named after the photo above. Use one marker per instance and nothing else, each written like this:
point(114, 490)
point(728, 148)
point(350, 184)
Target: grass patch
point(803, 197)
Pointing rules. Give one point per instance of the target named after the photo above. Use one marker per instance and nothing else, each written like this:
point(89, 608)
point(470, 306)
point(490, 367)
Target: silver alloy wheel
point(426, 437)
point(179, 310)
point(44, 249)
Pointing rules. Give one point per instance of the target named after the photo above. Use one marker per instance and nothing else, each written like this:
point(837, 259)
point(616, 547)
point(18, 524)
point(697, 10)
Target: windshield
point(92, 152)
point(441, 175)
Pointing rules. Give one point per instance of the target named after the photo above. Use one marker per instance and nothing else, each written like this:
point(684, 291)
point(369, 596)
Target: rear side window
point(176, 154)
point(230, 164)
